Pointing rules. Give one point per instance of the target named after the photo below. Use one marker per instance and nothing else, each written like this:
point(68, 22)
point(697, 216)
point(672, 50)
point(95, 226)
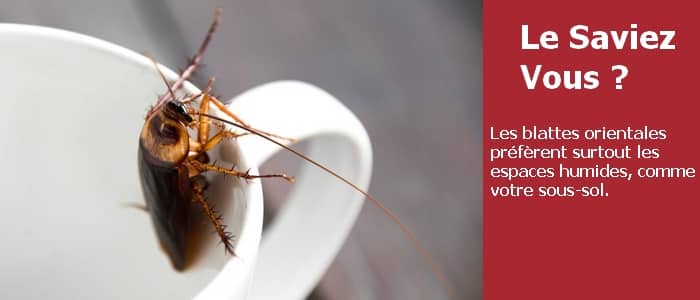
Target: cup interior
point(72, 110)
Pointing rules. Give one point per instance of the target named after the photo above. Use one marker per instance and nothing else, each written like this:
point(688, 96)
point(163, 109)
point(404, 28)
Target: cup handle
point(308, 232)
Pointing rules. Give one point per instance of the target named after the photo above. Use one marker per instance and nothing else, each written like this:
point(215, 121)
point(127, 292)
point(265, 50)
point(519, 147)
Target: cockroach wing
point(168, 193)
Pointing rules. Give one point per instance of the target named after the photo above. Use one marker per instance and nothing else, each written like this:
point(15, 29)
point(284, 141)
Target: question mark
point(623, 73)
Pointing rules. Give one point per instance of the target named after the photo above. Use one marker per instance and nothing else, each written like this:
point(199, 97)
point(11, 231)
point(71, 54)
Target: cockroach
point(172, 163)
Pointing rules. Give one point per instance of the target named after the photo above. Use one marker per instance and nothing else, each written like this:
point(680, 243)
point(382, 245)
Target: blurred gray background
point(409, 69)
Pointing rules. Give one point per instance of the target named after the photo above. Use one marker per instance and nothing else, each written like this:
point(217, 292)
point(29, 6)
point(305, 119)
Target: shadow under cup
point(72, 110)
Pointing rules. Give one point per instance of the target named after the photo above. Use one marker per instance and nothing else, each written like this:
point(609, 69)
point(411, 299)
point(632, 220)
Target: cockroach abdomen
point(168, 195)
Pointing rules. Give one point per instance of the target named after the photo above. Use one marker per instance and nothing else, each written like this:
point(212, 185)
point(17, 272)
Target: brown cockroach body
point(172, 163)
point(168, 188)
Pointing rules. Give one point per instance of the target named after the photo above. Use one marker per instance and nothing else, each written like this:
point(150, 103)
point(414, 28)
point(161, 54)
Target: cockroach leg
point(203, 92)
point(209, 144)
point(214, 217)
point(138, 206)
point(216, 139)
point(204, 143)
point(193, 64)
point(203, 167)
point(225, 110)
point(203, 132)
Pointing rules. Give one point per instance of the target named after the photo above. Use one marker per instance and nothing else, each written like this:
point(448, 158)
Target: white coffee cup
point(71, 110)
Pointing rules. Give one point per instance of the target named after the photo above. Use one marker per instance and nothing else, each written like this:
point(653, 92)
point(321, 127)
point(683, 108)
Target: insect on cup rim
point(73, 108)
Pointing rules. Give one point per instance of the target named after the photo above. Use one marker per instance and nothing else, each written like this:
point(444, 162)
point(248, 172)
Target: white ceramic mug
point(71, 110)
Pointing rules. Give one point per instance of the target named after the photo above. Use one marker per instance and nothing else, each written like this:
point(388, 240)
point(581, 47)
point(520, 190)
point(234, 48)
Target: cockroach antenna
point(417, 244)
point(162, 76)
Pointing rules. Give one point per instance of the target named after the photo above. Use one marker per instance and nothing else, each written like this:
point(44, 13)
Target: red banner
point(590, 152)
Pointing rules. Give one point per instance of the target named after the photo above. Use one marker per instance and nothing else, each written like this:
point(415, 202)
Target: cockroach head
point(177, 110)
